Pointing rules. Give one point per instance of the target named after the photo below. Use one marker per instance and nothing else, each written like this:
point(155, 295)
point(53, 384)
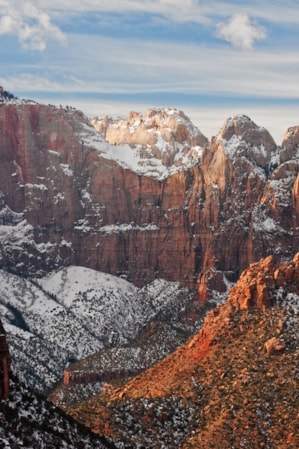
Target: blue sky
point(212, 59)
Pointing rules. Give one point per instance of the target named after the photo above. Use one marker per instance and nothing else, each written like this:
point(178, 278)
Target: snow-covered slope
point(27, 420)
point(241, 137)
point(73, 313)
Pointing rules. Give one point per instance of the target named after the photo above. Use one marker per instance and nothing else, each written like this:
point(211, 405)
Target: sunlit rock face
point(161, 142)
point(158, 201)
point(229, 382)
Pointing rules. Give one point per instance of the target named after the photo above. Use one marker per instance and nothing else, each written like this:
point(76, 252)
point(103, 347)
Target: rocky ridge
point(162, 142)
point(234, 384)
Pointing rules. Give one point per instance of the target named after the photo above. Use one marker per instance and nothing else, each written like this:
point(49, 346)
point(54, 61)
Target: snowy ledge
point(118, 228)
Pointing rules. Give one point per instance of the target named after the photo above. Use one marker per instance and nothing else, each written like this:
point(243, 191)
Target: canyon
point(116, 238)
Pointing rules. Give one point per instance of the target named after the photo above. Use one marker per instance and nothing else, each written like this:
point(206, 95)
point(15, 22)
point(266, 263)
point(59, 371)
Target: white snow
point(291, 304)
point(231, 145)
point(66, 169)
point(268, 225)
point(114, 229)
point(73, 313)
point(18, 233)
point(134, 159)
point(36, 186)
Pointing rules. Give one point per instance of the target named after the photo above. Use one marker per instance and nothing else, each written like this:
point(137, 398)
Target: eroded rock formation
point(67, 196)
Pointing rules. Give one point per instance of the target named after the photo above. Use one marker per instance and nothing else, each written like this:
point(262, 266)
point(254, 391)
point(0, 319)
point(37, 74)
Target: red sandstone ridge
point(196, 217)
point(258, 285)
point(234, 384)
point(4, 365)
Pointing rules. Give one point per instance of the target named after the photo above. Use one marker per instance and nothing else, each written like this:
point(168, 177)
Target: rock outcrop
point(162, 141)
point(4, 364)
point(184, 209)
point(233, 384)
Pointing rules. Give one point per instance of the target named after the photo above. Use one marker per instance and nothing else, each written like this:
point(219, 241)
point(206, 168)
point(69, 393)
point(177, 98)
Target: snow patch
point(72, 313)
point(66, 170)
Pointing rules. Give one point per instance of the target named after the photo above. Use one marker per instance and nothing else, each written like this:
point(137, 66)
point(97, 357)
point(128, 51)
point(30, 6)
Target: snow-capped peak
point(161, 143)
point(240, 136)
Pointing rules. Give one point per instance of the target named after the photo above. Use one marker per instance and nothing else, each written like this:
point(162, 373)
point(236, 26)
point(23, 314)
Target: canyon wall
point(66, 200)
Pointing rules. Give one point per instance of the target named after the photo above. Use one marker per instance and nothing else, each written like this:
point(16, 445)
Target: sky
point(210, 58)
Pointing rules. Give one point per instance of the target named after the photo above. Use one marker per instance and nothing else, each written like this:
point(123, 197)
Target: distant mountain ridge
point(66, 199)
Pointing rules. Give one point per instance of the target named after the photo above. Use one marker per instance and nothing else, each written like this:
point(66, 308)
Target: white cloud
point(32, 26)
point(240, 31)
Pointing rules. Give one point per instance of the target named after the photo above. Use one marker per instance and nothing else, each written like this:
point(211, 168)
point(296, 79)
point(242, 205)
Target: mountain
point(159, 203)
point(166, 203)
point(233, 384)
point(158, 145)
point(113, 234)
point(74, 312)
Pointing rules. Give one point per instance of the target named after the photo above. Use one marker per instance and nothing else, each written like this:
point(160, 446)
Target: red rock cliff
point(4, 365)
point(200, 225)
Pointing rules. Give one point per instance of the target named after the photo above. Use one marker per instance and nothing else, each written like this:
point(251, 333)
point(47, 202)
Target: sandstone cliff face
point(4, 365)
point(234, 384)
point(83, 208)
point(249, 207)
point(67, 197)
point(166, 134)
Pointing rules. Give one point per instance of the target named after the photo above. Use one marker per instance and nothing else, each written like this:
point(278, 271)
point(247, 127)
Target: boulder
point(274, 345)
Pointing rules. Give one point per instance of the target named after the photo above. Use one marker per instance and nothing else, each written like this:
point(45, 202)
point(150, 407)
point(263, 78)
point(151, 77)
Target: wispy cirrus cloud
point(240, 31)
point(128, 67)
point(32, 26)
point(178, 10)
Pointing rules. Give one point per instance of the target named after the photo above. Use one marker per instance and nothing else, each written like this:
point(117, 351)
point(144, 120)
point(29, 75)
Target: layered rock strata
point(69, 197)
